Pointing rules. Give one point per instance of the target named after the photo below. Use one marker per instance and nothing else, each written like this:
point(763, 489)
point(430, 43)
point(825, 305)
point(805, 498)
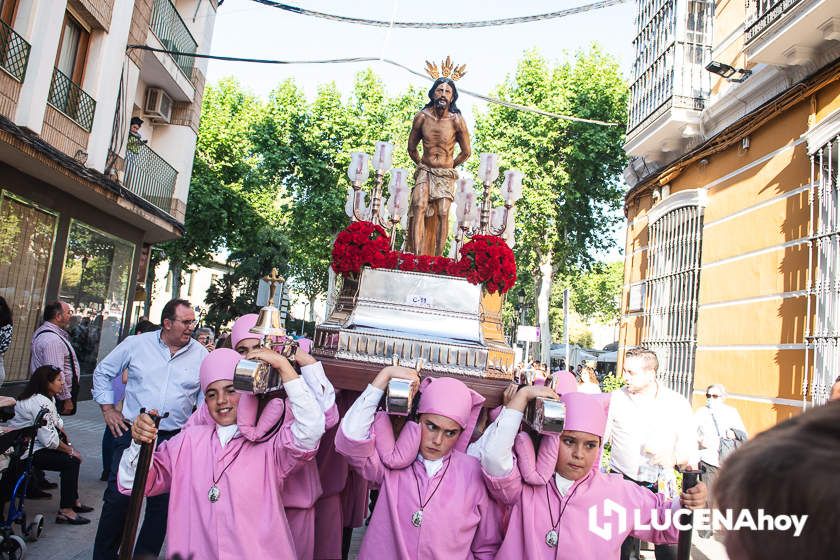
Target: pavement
point(75, 542)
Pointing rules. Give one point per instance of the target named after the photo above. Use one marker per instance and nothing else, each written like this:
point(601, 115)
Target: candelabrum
point(473, 217)
point(396, 207)
point(479, 217)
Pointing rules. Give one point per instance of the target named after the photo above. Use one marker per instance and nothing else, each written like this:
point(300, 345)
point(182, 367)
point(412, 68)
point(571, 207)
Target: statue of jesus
point(439, 125)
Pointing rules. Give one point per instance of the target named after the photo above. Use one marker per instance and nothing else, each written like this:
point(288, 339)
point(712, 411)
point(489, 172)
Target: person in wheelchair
point(52, 450)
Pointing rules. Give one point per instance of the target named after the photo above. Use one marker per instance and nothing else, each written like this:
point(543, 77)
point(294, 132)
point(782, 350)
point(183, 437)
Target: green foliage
point(269, 181)
point(571, 170)
point(612, 382)
point(596, 293)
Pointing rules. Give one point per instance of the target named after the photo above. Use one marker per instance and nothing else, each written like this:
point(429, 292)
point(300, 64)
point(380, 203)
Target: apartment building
point(82, 196)
point(732, 262)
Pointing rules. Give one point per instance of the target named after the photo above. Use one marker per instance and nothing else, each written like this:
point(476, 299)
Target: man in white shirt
point(650, 430)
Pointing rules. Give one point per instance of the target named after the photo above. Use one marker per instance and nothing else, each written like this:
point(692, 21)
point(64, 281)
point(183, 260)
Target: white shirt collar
point(563, 484)
point(432, 466)
point(226, 433)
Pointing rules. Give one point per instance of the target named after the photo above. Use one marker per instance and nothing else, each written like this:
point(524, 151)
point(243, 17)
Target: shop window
point(27, 235)
point(95, 284)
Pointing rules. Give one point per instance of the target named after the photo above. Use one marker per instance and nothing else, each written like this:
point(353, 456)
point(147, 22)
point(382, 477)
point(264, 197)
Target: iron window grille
point(822, 341)
point(671, 291)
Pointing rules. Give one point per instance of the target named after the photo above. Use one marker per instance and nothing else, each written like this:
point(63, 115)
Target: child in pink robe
point(227, 491)
point(551, 493)
point(303, 486)
point(437, 507)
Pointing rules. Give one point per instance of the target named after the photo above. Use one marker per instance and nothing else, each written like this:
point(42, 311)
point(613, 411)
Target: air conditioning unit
point(158, 105)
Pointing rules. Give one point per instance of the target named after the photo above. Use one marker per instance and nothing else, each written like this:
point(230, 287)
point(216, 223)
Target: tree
point(595, 294)
point(309, 163)
point(571, 169)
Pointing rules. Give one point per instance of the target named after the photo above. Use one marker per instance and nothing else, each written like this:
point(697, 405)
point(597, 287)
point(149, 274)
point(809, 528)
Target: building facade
point(83, 197)
point(732, 261)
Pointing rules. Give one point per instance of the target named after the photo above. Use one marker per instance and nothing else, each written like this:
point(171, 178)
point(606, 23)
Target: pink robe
point(301, 493)
point(530, 519)
point(249, 514)
point(303, 486)
point(460, 521)
point(343, 500)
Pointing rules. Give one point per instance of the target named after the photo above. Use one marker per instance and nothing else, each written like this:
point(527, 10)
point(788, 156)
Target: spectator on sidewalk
point(163, 368)
point(118, 386)
point(51, 346)
point(790, 469)
point(588, 381)
point(5, 334)
point(52, 449)
point(650, 429)
point(205, 337)
point(716, 423)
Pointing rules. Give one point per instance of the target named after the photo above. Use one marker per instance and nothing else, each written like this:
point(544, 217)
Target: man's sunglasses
point(710, 396)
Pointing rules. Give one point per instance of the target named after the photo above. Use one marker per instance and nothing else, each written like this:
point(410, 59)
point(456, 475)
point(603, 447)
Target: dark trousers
point(107, 450)
point(708, 474)
point(68, 469)
point(115, 507)
point(631, 547)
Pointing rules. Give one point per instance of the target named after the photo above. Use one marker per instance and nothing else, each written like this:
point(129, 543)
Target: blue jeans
point(115, 507)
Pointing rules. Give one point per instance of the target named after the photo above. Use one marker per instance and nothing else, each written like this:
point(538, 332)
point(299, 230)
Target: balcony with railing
point(761, 14)
point(676, 79)
point(791, 32)
point(173, 34)
point(14, 52)
point(670, 84)
point(148, 175)
point(69, 98)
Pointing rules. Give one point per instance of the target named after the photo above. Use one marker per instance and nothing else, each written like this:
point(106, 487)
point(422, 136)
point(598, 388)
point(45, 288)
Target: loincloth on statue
point(441, 183)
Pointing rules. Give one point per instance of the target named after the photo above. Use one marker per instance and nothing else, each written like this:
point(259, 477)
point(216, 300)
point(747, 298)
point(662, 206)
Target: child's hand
point(399, 372)
point(695, 497)
point(528, 393)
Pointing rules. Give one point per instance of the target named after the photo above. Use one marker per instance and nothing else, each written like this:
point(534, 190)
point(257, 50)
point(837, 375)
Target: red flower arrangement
point(485, 259)
point(360, 244)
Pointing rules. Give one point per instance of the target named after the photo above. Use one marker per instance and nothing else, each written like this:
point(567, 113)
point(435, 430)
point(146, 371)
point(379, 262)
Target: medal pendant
point(417, 518)
point(551, 538)
point(213, 494)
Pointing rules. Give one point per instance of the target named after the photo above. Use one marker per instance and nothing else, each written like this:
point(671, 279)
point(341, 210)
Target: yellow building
point(732, 262)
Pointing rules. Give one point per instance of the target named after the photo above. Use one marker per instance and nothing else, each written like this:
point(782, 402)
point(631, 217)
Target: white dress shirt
point(494, 449)
point(156, 378)
point(649, 433)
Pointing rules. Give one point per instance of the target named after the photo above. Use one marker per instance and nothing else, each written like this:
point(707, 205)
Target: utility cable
point(483, 97)
point(446, 25)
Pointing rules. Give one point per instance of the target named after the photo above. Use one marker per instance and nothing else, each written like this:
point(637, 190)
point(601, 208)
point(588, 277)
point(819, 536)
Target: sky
point(247, 29)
